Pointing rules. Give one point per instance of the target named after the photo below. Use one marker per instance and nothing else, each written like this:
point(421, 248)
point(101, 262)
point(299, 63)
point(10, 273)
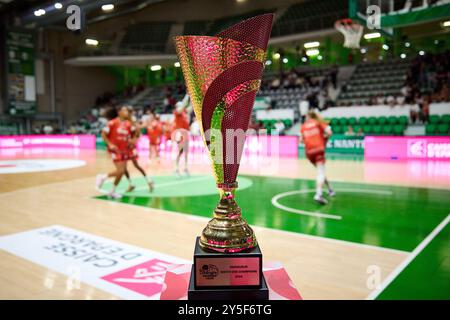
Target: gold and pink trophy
point(223, 74)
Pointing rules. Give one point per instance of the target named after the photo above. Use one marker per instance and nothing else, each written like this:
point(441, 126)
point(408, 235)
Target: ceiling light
point(58, 5)
point(39, 12)
point(312, 52)
point(107, 7)
point(156, 67)
point(312, 44)
point(176, 64)
point(373, 35)
point(91, 42)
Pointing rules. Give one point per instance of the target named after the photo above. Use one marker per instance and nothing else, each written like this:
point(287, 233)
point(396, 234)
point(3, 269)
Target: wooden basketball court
point(326, 258)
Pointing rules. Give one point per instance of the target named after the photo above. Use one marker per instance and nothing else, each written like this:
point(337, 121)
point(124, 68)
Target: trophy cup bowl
point(223, 74)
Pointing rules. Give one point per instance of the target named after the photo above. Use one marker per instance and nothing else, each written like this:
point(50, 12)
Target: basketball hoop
point(352, 32)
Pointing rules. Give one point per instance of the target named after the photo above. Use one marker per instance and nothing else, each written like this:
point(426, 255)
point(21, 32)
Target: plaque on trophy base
point(218, 276)
point(217, 270)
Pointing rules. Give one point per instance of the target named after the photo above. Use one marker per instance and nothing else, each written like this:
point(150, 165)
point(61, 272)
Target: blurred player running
point(117, 135)
point(167, 129)
point(154, 132)
point(133, 156)
point(180, 134)
point(315, 133)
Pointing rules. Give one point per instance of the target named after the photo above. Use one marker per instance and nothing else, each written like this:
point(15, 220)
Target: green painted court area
point(427, 276)
point(378, 215)
point(384, 216)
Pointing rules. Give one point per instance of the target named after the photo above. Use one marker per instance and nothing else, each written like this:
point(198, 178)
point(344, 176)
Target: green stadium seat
point(430, 128)
point(399, 129)
point(334, 121)
point(443, 128)
point(356, 128)
point(362, 121)
point(433, 119)
point(446, 118)
point(388, 129)
point(268, 124)
point(352, 121)
point(367, 129)
point(403, 120)
point(343, 121)
point(382, 120)
point(392, 120)
point(337, 129)
point(287, 122)
point(372, 121)
point(376, 129)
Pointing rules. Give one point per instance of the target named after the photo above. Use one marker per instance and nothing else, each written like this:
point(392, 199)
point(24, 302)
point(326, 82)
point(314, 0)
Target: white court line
point(192, 217)
point(176, 182)
point(394, 274)
point(298, 211)
point(276, 204)
point(164, 184)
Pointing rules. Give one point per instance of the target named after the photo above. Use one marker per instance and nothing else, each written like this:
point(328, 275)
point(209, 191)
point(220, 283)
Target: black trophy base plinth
point(261, 293)
point(227, 276)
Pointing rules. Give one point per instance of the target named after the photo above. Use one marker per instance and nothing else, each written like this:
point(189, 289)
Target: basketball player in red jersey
point(154, 132)
point(180, 135)
point(315, 133)
point(167, 128)
point(117, 135)
point(133, 154)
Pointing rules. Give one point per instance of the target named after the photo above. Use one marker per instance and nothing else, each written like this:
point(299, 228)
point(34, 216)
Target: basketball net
point(352, 32)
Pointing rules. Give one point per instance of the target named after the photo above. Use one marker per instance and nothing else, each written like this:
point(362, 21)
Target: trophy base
point(230, 293)
point(216, 270)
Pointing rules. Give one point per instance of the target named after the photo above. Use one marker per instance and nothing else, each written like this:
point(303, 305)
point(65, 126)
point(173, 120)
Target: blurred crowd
point(429, 74)
point(320, 91)
point(427, 81)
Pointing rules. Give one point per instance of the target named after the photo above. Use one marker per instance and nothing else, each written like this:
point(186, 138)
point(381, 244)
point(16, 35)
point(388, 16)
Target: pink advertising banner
point(407, 148)
point(265, 145)
point(83, 141)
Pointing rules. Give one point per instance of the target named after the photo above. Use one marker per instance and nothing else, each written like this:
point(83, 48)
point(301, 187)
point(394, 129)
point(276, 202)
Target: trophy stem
point(227, 231)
